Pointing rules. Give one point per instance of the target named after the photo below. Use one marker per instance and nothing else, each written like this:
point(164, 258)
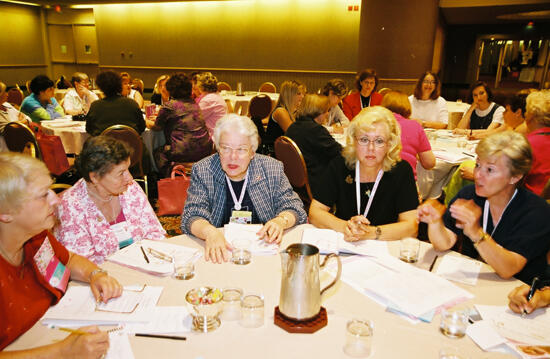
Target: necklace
point(11, 259)
point(96, 195)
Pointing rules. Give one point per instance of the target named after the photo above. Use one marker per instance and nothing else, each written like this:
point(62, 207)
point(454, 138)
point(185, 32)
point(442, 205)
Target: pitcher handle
point(337, 274)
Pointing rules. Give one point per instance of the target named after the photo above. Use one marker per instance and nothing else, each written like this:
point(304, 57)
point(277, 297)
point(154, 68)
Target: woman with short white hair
point(374, 192)
point(238, 185)
point(505, 224)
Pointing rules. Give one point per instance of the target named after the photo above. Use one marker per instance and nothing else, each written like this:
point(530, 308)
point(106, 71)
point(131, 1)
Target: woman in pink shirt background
point(212, 105)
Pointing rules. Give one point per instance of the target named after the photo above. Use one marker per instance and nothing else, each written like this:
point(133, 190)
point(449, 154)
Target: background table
point(394, 337)
point(240, 104)
point(72, 137)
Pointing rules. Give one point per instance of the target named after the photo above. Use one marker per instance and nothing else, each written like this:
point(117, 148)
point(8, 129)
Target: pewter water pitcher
point(300, 288)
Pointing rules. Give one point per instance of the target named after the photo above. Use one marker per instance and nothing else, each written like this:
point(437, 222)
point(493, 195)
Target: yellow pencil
point(73, 331)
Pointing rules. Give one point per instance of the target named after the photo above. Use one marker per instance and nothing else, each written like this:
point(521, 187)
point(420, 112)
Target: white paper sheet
point(119, 347)
point(484, 334)
point(330, 241)
point(132, 256)
point(166, 320)
point(79, 307)
point(459, 269)
point(234, 231)
point(530, 329)
point(452, 157)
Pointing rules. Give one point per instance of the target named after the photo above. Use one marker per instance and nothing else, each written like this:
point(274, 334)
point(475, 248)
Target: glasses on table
point(365, 141)
point(239, 151)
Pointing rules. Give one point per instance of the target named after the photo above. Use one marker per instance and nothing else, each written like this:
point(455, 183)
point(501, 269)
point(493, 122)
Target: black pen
point(468, 154)
point(144, 255)
point(532, 291)
point(160, 336)
point(433, 263)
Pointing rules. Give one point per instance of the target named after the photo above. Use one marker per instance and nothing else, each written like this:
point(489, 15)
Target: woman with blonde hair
point(496, 218)
point(373, 190)
point(160, 94)
point(317, 145)
point(290, 97)
point(415, 144)
point(428, 107)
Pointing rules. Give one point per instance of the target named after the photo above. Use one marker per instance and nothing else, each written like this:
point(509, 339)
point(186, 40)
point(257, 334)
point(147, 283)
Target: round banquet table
point(394, 337)
point(240, 104)
point(72, 133)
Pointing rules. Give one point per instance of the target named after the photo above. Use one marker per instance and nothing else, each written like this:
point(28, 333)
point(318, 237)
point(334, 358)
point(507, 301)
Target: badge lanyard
point(486, 214)
point(358, 189)
point(361, 101)
point(237, 203)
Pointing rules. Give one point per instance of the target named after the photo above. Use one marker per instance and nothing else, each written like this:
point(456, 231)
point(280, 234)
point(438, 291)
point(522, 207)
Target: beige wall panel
point(283, 34)
point(70, 16)
point(61, 43)
point(68, 70)
point(85, 42)
point(21, 40)
point(20, 75)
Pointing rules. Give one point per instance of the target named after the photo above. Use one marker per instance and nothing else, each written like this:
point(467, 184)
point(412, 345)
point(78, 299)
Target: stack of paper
point(166, 320)
point(329, 241)
point(132, 256)
point(459, 269)
point(78, 307)
point(235, 231)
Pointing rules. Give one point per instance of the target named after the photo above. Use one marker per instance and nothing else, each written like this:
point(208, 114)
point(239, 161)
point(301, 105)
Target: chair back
point(260, 106)
point(384, 91)
point(15, 96)
point(454, 119)
point(268, 87)
point(18, 137)
point(223, 86)
point(295, 168)
point(138, 85)
point(132, 138)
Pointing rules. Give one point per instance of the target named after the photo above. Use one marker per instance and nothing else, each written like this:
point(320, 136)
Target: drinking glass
point(358, 338)
point(454, 322)
point(241, 251)
point(408, 249)
point(252, 311)
point(232, 303)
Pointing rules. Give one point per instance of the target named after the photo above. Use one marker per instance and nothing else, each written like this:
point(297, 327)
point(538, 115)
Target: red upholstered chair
point(133, 139)
point(259, 108)
point(268, 87)
point(289, 154)
point(15, 96)
point(223, 86)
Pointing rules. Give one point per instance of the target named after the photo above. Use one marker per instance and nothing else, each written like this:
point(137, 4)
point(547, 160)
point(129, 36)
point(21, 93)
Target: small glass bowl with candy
point(205, 304)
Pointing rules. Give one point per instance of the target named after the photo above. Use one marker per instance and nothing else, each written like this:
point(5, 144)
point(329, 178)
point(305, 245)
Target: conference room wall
point(22, 44)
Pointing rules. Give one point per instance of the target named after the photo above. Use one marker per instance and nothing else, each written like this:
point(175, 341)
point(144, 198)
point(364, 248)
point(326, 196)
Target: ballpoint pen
point(532, 291)
point(144, 254)
point(160, 336)
point(433, 263)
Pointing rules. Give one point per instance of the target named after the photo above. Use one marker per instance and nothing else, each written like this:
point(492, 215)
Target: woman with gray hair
point(373, 190)
point(507, 225)
point(78, 99)
point(238, 185)
point(212, 105)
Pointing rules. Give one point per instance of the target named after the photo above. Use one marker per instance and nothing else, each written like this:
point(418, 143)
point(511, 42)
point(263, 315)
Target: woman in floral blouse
point(106, 210)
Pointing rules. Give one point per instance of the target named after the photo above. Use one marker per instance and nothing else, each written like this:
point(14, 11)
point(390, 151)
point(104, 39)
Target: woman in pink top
point(212, 105)
point(413, 137)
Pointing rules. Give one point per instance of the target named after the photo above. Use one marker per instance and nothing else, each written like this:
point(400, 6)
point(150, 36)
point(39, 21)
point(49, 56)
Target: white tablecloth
point(73, 134)
point(240, 103)
point(394, 337)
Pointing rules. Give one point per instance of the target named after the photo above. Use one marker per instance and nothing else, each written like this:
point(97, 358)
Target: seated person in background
point(484, 117)
point(366, 82)
point(238, 179)
point(187, 138)
point(78, 99)
point(518, 299)
point(213, 106)
point(315, 142)
point(8, 113)
point(428, 107)
point(336, 90)
point(195, 93)
point(28, 290)
point(41, 104)
point(283, 115)
point(128, 91)
point(114, 109)
point(537, 120)
point(106, 209)
point(373, 190)
point(413, 138)
point(505, 224)
point(160, 95)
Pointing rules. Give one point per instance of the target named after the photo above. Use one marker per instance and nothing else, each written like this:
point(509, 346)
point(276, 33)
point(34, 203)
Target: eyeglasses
point(365, 141)
point(428, 82)
point(241, 151)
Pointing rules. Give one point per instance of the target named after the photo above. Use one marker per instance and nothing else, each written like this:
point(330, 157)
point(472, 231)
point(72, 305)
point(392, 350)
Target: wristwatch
point(482, 236)
point(378, 232)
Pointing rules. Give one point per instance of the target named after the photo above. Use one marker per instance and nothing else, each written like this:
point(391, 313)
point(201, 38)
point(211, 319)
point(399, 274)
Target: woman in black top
point(317, 145)
point(374, 192)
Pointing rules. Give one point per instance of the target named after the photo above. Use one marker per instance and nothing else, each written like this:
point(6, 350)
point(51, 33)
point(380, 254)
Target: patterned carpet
point(171, 224)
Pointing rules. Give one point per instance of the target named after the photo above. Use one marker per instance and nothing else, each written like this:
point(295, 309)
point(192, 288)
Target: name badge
point(243, 217)
point(122, 233)
point(50, 267)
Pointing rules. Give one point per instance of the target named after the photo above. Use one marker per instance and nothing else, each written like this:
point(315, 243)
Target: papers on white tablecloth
point(133, 257)
point(78, 307)
point(329, 241)
point(453, 157)
point(166, 320)
point(459, 269)
point(119, 347)
point(528, 336)
point(400, 286)
point(234, 231)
